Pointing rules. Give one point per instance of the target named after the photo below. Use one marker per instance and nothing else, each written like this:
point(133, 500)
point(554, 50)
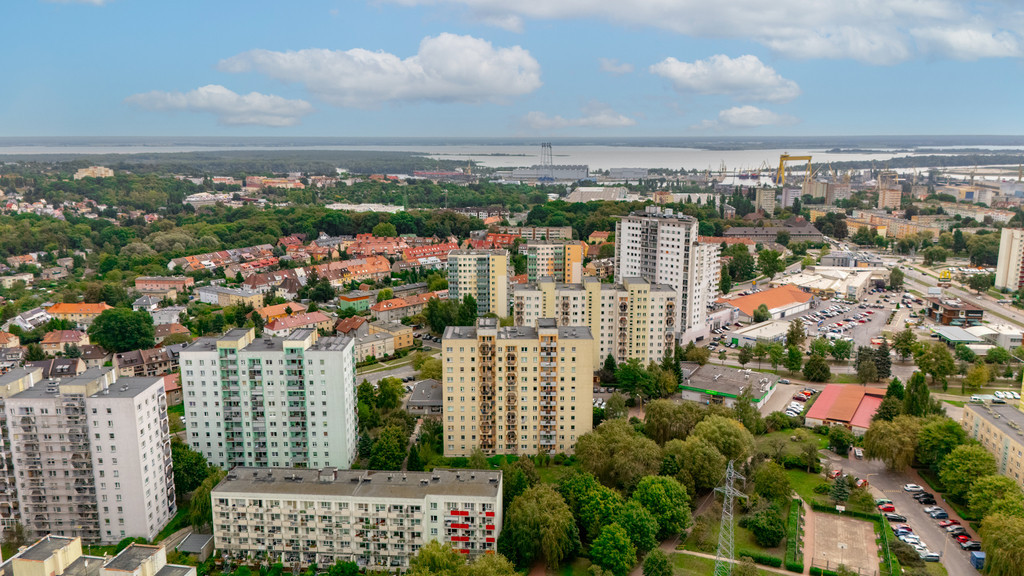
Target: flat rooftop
point(45, 548)
point(129, 387)
point(132, 557)
point(724, 381)
point(517, 332)
point(84, 566)
point(361, 483)
point(1010, 420)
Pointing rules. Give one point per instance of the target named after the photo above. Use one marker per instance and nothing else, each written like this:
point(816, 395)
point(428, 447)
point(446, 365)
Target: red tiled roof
point(59, 336)
point(346, 325)
point(298, 321)
point(171, 382)
point(78, 308)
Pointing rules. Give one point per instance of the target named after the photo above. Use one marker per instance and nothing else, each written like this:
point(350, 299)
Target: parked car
point(931, 509)
point(929, 556)
point(955, 531)
point(961, 538)
point(946, 523)
point(783, 381)
point(971, 545)
point(834, 474)
point(928, 500)
point(858, 453)
point(892, 517)
point(861, 482)
point(923, 494)
point(886, 508)
point(939, 515)
point(884, 501)
point(912, 488)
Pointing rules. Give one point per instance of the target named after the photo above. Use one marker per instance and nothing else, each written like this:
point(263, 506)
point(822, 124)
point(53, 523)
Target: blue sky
point(511, 67)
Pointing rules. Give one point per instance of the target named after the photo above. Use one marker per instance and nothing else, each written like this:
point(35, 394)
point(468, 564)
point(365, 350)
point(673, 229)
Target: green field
point(689, 565)
point(792, 448)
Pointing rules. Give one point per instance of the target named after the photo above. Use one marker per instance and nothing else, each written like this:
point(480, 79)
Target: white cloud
point(744, 78)
point(746, 117)
point(447, 68)
point(595, 115)
point(229, 107)
point(874, 31)
point(614, 67)
point(968, 43)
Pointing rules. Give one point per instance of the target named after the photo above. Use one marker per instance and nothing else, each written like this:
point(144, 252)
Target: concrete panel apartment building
point(663, 247)
point(516, 390)
point(632, 319)
point(482, 274)
point(378, 520)
point(91, 456)
point(271, 401)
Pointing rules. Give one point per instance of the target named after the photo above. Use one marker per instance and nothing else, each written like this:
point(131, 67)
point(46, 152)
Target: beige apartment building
point(1000, 429)
point(631, 319)
point(889, 197)
point(516, 390)
point(482, 274)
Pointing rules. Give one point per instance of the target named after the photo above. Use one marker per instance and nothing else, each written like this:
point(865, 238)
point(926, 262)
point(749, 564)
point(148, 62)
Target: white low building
point(378, 520)
point(1004, 335)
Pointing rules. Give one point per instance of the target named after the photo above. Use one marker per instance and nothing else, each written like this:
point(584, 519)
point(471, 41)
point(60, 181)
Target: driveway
point(885, 484)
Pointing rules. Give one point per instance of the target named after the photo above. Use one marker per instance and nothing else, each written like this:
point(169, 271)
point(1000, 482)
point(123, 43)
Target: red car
point(963, 538)
point(861, 482)
point(862, 321)
point(868, 312)
point(834, 474)
point(946, 523)
point(886, 508)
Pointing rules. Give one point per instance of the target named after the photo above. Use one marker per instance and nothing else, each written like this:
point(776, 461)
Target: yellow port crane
point(780, 176)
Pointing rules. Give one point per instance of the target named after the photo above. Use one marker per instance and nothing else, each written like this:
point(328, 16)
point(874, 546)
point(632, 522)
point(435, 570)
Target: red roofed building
point(750, 244)
point(55, 341)
point(370, 245)
point(353, 327)
point(845, 405)
point(8, 340)
point(80, 313)
point(782, 301)
point(373, 267)
point(172, 388)
point(431, 251)
point(398, 308)
point(312, 320)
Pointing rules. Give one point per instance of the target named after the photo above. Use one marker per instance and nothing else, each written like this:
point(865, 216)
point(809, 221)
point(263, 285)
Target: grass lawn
point(176, 417)
point(688, 565)
point(792, 448)
point(955, 403)
point(179, 521)
point(844, 378)
point(803, 483)
point(553, 473)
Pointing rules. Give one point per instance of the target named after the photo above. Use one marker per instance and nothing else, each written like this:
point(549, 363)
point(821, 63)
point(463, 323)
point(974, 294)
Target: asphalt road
point(885, 484)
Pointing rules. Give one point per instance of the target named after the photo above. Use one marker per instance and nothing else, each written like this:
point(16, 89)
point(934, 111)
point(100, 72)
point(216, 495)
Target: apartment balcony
point(548, 364)
point(546, 423)
point(547, 403)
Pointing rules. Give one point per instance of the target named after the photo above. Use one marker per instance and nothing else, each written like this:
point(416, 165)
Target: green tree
point(770, 262)
point(977, 377)
point(795, 335)
point(895, 389)
point(841, 350)
point(917, 399)
point(817, 370)
point(893, 442)
point(385, 294)
point(123, 329)
point(760, 351)
point(656, 564)
point(794, 359)
point(34, 352)
point(821, 346)
point(840, 491)
point(963, 466)
point(617, 454)
point(725, 284)
point(776, 354)
point(728, 436)
point(431, 368)
point(761, 314)
point(840, 439)
point(696, 458)
point(389, 394)
point(768, 527)
point(904, 342)
point(992, 492)
point(867, 371)
point(478, 461)
point(771, 481)
point(888, 409)
point(981, 282)
point(745, 355)
point(517, 477)
point(613, 550)
point(963, 353)
point(1003, 535)
point(616, 407)
point(997, 355)
point(896, 278)
point(388, 450)
point(385, 230)
point(666, 500)
point(936, 361)
point(438, 559)
point(539, 524)
point(188, 466)
point(782, 237)
point(200, 513)
point(882, 360)
point(640, 524)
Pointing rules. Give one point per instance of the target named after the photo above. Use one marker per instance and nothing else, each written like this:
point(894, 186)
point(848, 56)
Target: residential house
point(163, 286)
point(81, 313)
point(11, 358)
point(172, 388)
point(56, 341)
point(54, 273)
point(150, 362)
point(377, 345)
point(8, 340)
point(168, 315)
point(311, 320)
point(425, 399)
point(221, 296)
point(95, 356)
point(353, 327)
point(162, 331)
point(356, 299)
point(58, 367)
point(398, 308)
point(271, 313)
point(8, 282)
point(147, 303)
point(402, 334)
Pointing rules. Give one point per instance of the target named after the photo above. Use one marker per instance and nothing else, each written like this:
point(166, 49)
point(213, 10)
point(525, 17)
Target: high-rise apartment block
point(11, 383)
point(379, 520)
point(558, 259)
point(632, 319)
point(662, 247)
point(60, 556)
point(92, 456)
point(889, 198)
point(516, 390)
point(1010, 267)
point(271, 401)
point(764, 200)
point(482, 274)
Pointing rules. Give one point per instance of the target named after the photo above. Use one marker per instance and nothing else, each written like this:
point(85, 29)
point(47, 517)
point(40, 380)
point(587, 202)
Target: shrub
point(794, 562)
point(761, 558)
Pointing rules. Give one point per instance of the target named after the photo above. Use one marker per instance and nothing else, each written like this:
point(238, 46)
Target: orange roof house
point(80, 312)
point(782, 301)
point(276, 311)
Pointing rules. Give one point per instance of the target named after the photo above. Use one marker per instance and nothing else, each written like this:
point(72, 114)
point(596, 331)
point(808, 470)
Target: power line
point(726, 556)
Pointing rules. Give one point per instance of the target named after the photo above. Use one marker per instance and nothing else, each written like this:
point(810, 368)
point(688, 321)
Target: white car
point(912, 488)
point(1016, 395)
point(999, 394)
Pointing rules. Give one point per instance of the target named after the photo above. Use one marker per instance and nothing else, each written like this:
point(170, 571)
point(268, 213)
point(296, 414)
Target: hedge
point(819, 507)
point(760, 558)
point(815, 571)
point(793, 562)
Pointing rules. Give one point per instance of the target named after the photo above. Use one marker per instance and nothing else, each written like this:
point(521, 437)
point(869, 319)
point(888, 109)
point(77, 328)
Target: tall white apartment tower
point(93, 456)
point(271, 401)
point(1010, 267)
point(662, 247)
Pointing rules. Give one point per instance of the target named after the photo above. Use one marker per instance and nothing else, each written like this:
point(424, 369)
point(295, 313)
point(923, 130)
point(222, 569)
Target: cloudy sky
point(511, 67)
